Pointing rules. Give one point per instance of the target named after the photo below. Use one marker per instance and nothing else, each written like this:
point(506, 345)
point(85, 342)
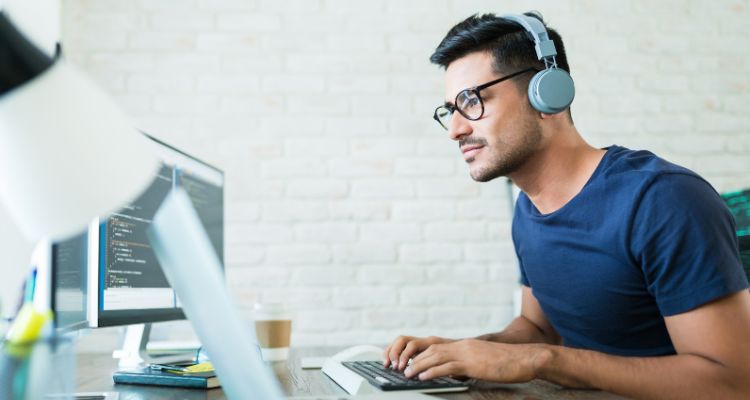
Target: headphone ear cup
point(551, 91)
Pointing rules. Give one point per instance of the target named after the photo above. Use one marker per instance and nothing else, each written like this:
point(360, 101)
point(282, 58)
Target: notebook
point(149, 376)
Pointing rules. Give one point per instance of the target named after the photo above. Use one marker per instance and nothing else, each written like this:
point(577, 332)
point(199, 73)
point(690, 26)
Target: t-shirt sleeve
point(683, 238)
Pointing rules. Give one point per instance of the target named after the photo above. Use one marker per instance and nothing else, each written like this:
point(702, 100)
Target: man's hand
point(478, 359)
point(404, 347)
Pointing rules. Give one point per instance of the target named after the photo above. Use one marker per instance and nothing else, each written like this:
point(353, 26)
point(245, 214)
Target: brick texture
point(344, 199)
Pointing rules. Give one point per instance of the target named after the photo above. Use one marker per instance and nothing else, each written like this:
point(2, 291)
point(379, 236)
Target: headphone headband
point(543, 45)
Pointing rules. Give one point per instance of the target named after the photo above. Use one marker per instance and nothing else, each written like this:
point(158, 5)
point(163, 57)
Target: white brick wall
point(344, 199)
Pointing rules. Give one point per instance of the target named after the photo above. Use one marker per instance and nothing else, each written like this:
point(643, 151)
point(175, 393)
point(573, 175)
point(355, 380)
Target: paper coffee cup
point(273, 329)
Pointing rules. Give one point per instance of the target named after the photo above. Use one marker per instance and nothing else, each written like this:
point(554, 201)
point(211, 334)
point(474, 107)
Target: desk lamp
point(66, 151)
point(61, 140)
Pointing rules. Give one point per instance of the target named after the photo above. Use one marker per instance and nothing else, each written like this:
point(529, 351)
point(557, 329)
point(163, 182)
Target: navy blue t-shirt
point(644, 239)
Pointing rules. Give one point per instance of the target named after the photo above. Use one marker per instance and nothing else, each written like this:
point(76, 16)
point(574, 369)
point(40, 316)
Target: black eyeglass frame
point(476, 89)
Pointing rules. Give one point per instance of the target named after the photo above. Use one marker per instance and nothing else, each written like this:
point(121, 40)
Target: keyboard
point(388, 379)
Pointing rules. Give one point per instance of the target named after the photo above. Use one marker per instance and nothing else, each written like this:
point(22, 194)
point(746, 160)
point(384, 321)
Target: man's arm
point(531, 326)
point(712, 361)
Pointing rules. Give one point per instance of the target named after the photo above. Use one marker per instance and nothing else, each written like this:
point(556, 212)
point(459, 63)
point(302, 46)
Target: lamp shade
point(67, 153)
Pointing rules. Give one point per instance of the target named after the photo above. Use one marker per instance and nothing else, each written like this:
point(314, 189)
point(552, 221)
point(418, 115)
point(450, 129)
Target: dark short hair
point(510, 45)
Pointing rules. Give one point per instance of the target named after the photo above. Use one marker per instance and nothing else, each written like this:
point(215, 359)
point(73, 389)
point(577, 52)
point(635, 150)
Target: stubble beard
point(505, 158)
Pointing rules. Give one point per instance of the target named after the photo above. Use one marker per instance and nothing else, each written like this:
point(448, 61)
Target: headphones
point(551, 90)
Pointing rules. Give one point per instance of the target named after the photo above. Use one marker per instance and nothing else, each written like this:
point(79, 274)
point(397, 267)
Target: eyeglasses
point(468, 102)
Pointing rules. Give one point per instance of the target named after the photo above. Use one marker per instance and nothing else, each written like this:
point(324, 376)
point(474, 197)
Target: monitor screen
point(739, 204)
point(125, 278)
point(69, 283)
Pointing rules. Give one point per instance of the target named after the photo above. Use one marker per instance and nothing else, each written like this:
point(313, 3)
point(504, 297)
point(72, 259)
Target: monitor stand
point(134, 354)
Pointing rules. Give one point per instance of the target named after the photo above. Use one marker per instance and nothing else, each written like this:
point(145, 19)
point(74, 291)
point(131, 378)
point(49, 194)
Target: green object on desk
point(28, 325)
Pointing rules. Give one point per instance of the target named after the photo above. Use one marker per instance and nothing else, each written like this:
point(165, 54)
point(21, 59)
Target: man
point(632, 281)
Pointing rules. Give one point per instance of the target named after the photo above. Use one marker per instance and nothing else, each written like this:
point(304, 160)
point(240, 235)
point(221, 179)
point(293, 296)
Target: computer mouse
point(359, 353)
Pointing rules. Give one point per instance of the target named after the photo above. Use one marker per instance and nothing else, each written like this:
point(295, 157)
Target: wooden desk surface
point(94, 374)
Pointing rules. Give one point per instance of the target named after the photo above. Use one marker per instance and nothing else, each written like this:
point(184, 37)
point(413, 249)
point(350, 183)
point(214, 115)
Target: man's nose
point(458, 126)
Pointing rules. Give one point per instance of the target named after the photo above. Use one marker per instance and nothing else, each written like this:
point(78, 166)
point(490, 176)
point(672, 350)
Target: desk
point(94, 373)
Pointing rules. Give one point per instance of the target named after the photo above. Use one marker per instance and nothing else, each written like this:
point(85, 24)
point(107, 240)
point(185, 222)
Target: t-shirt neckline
point(594, 175)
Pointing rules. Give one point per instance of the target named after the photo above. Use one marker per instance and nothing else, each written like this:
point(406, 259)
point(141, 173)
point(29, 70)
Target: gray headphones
point(551, 90)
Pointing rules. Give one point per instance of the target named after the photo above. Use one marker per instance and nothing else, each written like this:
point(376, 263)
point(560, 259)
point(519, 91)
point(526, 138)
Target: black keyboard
point(389, 379)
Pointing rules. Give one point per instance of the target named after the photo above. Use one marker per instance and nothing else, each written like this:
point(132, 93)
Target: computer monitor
point(69, 283)
point(739, 204)
point(125, 282)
